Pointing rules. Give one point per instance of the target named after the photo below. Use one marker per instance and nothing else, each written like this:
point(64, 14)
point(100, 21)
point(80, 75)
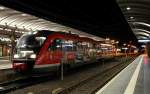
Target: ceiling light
point(117, 42)
point(23, 14)
point(2, 8)
point(143, 46)
point(145, 41)
point(131, 17)
point(128, 8)
point(107, 39)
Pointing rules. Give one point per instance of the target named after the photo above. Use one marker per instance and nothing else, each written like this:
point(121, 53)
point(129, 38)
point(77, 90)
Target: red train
point(45, 48)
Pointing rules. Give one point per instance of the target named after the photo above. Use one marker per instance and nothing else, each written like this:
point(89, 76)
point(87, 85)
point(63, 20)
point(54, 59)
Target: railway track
point(92, 84)
point(13, 85)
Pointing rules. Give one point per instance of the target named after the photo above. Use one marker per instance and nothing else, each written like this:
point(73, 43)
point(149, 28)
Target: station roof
point(21, 22)
point(102, 19)
point(137, 13)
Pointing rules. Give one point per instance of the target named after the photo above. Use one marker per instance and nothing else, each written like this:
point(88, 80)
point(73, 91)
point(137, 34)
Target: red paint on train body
point(48, 48)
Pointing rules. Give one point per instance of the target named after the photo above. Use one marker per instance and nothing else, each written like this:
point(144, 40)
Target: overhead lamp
point(124, 44)
point(131, 17)
point(117, 42)
point(128, 8)
point(143, 46)
point(107, 39)
point(23, 14)
point(144, 41)
point(2, 8)
point(133, 46)
point(125, 48)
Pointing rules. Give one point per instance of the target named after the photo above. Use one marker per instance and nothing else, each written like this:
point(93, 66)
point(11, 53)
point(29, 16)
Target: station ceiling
point(102, 19)
point(137, 13)
point(21, 22)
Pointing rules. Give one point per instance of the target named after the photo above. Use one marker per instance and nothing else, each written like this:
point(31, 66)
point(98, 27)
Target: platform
point(134, 79)
point(5, 64)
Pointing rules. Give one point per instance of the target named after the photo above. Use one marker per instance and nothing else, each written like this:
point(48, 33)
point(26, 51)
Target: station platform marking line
point(111, 81)
point(131, 86)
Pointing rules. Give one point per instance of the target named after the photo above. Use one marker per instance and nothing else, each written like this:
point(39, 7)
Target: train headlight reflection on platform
point(16, 56)
point(33, 56)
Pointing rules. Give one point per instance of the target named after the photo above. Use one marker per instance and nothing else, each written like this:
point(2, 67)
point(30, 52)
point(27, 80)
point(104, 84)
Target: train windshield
point(30, 42)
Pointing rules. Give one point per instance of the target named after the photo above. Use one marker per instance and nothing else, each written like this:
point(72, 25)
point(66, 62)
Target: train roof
point(46, 33)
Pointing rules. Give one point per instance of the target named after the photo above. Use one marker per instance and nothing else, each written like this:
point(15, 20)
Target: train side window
point(56, 45)
point(79, 45)
point(74, 46)
point(68, 45)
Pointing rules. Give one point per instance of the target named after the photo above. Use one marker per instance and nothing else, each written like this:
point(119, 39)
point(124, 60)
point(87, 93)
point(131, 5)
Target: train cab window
point(56, 45)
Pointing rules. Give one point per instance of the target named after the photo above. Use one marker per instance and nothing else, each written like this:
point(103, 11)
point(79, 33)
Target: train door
point(55, 51)
point(69, 49)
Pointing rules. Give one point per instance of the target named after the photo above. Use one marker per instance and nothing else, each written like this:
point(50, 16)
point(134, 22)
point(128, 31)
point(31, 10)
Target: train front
point(26, 51)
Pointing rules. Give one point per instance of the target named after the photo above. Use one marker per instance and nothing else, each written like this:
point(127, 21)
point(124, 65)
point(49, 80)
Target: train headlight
point(33, 56)
point(16, 56)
